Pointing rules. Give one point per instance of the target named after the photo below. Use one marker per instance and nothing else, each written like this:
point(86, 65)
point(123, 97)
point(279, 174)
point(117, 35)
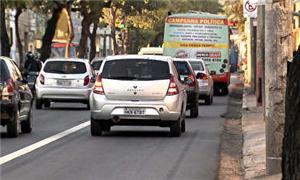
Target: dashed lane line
point(42, 143)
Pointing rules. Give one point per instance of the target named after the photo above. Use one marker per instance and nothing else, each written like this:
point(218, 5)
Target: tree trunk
point(93, 42)
point(86, 22)
point(113, 30)
point(49, 34)
point(5, 43)
point(19, 43)
point(291, 141)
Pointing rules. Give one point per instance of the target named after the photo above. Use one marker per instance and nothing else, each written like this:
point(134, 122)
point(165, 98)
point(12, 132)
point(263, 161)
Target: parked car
point(186, 73)
point(64, 80)
point(96, 63)
point(15, 99)
point(206, 83)
point(138, 90)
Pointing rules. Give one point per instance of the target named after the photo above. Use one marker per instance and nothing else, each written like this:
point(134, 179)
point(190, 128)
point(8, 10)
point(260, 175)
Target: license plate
point(134, 111)
point(63, 82)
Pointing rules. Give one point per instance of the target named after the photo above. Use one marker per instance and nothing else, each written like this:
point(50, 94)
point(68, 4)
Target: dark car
point(186, 73)
point(96, 64)
point(15, 99)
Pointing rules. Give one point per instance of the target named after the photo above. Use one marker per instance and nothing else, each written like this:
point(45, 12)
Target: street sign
point(258, 2)
point(250, 9)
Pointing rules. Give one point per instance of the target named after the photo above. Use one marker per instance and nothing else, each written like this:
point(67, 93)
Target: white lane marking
point(42, 143)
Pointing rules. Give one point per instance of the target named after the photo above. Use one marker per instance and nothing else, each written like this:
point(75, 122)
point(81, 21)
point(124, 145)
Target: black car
point(185, 72)
point(15, 99)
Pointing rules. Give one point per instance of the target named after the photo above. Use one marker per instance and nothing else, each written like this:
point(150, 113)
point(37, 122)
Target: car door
point(24, 91)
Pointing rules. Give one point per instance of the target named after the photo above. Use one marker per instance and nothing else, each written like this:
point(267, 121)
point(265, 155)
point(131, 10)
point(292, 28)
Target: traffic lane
point(46, 122)
point(129, 153)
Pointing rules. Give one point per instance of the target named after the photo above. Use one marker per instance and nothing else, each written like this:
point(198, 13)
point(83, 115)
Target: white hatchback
point(64, 80)
point(138, 90)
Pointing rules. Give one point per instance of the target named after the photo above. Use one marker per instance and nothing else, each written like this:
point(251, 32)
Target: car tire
point(13, 125)
point(88, 107)
point(194, 110)
point(175, 129)
point(96, 129)
point(208, 100)
point(38, 104)
point(183, 129)
point(26, 126)
point(224, 89)
point(105, 127)
point(47, 104)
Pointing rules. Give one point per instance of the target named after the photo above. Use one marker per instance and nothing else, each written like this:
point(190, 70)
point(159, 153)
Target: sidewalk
point(254, 142)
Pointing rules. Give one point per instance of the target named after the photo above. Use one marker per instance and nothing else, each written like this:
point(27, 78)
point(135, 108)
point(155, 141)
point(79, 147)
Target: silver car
point(138, 90)
point(205, 81)
point(64, 80)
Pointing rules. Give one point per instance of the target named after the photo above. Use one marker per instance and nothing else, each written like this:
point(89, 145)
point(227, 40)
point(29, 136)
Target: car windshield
point(4, 73)
point(96, 65)
point(65, 67)
point(197, 66)
point(182, 67)
point(136, 69)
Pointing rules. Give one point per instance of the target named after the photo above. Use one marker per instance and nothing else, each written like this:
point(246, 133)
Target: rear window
point(182, 67)
point(136, 69)
point(4, 72)
point(197, 66)
point(65, 67)
point(96, 65)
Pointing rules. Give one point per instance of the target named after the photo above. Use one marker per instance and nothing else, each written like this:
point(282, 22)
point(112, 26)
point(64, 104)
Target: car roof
point(67, 59)
point(135, 56)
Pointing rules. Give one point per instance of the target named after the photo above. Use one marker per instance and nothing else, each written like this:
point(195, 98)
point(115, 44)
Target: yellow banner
point(194, 45)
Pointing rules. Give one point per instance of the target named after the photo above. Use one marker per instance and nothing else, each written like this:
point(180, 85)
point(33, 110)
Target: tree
point(55, 7)
point(234, 10)
point(291, 141)
point(5, 42)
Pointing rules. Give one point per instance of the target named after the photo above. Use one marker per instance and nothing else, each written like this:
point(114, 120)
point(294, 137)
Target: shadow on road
point(141, 134)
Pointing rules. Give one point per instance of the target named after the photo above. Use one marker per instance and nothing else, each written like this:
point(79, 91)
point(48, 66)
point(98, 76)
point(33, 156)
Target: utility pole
point(278, 49)
point(260, 54)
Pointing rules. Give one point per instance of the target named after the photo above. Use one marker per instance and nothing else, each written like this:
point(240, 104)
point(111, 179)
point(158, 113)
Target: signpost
point(250, 9)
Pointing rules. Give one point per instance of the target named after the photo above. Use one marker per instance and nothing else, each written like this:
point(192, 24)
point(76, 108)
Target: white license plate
point(134, 111)
point(63, 82)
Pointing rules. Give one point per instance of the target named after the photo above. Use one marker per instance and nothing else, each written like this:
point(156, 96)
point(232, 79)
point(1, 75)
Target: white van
point(151, 51)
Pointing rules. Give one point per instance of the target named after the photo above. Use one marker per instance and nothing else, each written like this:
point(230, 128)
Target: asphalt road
point(126, 153)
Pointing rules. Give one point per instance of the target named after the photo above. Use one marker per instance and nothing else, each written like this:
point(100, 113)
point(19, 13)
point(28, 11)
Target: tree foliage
point(234, 10)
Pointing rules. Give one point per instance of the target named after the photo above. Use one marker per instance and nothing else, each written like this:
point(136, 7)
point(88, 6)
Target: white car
point(205, 81)
point(64, 80)
point(138, 90)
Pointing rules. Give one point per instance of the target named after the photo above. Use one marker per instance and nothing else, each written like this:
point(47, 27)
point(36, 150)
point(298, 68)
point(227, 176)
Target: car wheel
point(38, 104)
point(208, 100)
point(194, 111)
point(13, 125)
point(175, 129)
point(47, 104)
point(105, 126)
point(96, 129)
point(26, 126)
point(183, 125)
point(88, 107)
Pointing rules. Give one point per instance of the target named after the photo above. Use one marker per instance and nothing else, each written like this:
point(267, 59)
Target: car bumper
point(165, 110)
point(63, 93)
point(204, 89)
point(8, 109)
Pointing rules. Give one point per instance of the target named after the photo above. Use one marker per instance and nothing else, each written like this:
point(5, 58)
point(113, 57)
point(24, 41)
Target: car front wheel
point(194, 110)
point(38, 104)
